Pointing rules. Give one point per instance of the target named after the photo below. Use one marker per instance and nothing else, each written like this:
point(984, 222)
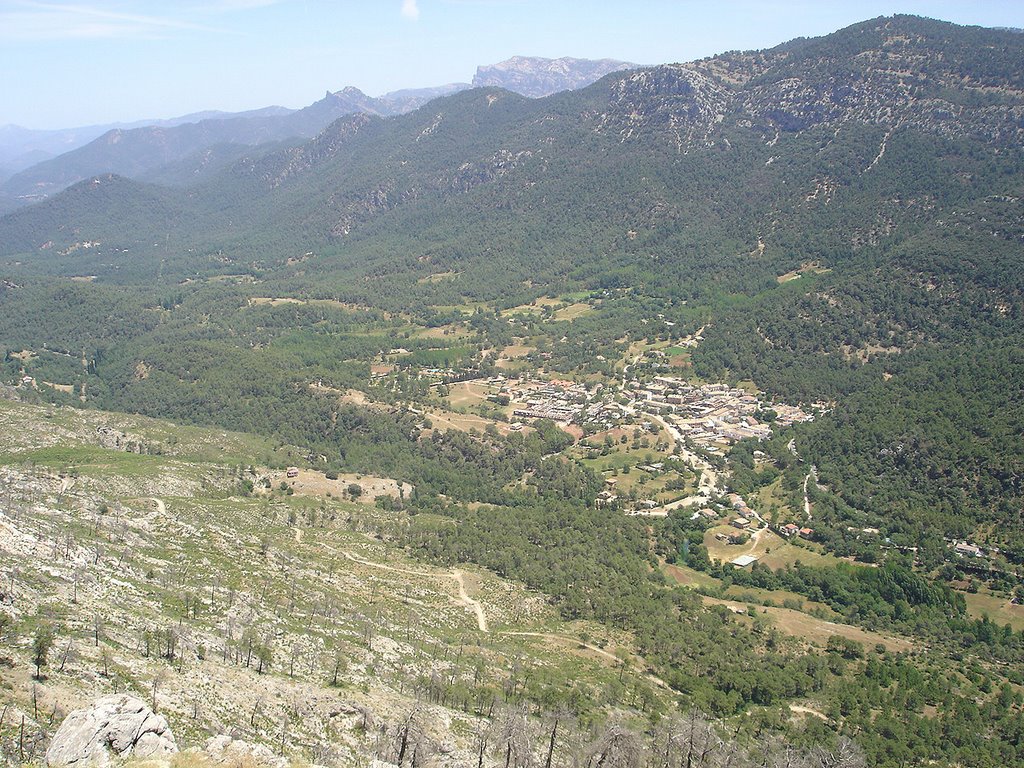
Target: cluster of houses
point(555, 400)
point(561, 401)
point(789, 530)
point(711, 414)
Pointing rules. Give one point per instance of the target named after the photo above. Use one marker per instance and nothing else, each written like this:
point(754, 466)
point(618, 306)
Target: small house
point(964, 549)
point(744, 560)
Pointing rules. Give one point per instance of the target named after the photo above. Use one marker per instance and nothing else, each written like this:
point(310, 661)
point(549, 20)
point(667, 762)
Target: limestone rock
point(112, 726)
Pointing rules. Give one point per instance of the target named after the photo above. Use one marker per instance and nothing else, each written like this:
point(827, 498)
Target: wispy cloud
point(410, 10)
point(29, 20)
point(241, 5)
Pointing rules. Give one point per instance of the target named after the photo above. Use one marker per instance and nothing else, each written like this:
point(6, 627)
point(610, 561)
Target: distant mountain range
point(536, 77)
point(36, 164)
point(21, 148)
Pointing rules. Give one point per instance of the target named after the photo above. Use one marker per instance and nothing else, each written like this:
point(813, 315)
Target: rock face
point(113, 726)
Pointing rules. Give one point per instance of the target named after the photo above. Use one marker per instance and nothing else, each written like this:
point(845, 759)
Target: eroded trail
point(481, 617)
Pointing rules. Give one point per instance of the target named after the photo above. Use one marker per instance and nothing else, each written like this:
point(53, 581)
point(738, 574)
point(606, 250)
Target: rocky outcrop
point(111, 727)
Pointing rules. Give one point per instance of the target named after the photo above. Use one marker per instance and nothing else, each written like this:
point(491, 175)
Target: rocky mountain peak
point(535, 76)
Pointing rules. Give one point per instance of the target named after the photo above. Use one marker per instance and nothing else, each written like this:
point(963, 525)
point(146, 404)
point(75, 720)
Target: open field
point(785, 553)
point(309, 482)
point(451, 331)
point(771, 549)
point(572, 312)
point(466, 394)
point(998, 609)
point(810, 267)
point(278, 301)
point(689, 577)
point(443, 420)
point(566, 311)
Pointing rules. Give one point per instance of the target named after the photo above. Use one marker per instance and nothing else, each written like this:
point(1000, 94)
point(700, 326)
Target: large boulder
point(113, 726)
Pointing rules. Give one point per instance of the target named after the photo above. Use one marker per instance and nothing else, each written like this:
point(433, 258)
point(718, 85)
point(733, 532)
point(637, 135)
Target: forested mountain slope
point(835, 222)
point(888, 156)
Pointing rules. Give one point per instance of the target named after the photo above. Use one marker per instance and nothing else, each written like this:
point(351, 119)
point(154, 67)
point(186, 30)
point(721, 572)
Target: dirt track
point(457, 575)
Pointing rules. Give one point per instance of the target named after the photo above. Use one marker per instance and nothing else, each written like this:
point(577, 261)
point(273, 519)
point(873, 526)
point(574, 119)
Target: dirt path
point(797, 709)
point(579, 643)
point(566, 639)
point(407, 571)
point(754, 539)
point(481, 617)
point(457, 575)
point(298, 534)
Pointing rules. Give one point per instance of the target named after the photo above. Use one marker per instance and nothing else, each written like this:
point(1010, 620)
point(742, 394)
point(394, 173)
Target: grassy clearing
point(573, 312)
point(771, 549)
point(770, 502)
point(517, 350)
point(688, 577)
point(998, 609)
point(437, 277)
point(810, 267)
point(818, 631)
point(467, 394)
point(785, 553)
point(450, 331)
point(464, 422)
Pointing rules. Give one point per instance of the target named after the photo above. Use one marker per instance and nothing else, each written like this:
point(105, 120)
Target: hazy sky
point(70, 63)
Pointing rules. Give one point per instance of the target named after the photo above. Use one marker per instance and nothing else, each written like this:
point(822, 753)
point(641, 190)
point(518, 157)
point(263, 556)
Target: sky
point(67, 63)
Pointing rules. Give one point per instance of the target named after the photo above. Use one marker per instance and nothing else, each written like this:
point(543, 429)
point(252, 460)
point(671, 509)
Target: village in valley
point(658, 441)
